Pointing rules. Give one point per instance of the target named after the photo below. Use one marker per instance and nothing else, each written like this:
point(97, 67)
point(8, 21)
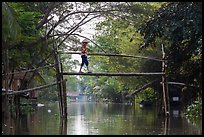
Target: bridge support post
point(61, 86)
point(64, 93)
point(165, 103)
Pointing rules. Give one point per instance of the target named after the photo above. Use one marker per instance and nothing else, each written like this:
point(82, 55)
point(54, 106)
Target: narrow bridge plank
point(112, 74)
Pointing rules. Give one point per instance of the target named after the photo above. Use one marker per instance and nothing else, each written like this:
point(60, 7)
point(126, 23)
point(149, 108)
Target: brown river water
point(91, 118)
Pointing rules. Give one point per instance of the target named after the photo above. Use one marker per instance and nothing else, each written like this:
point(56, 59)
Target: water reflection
point(85, 118)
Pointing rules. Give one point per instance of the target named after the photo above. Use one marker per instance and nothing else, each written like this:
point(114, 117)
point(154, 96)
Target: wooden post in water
point(6, 68)
point(58, 77)
point(64, 94)
point(63, 121)
point(165, 106)
point(61, 85)
point(167, 89)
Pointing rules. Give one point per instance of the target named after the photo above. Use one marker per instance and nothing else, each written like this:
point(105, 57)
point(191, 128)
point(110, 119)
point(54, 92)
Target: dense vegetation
point(31, 29)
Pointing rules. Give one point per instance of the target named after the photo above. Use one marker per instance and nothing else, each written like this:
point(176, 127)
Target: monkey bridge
point(61, 82)
point(165, 103)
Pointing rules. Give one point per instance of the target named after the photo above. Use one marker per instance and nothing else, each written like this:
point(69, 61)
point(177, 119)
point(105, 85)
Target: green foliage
point(27, 20)
point(25, 109)
point(49, 94)
point(194, 110)
point(114, 36)
point(119, 34)
point(72, 84)
point(148, 94)
point(23, 18)
point(184, 50)
point(10, 26)
point(39, 80)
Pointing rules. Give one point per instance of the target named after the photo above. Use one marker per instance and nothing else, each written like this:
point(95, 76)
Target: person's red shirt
point(84, 49)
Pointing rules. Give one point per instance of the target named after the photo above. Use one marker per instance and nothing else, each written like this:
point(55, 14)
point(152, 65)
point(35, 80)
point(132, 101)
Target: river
point(91, 118)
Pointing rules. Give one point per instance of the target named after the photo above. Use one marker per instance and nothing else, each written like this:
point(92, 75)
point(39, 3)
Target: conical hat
point(84, 41)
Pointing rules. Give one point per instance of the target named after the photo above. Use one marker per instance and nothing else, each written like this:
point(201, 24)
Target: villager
point(84, 53)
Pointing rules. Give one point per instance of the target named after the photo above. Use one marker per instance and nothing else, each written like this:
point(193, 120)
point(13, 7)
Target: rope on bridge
point(110, 54)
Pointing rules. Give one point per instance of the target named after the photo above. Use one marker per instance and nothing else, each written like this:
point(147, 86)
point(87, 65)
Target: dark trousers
point(84, 60)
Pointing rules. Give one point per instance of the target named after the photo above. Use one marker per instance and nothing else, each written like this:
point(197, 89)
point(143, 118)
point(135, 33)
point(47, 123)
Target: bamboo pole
point(166, 126)
point(58, 76)
point(64, 93)
point(182, 84)
point(32, 89)
point(142, 88)
point(113, 74)
point(165, 86)
point(167, 91)
point(63, 126)
point(64, 100)
point(30, 70)
point(59, 86)
point(110, 54)
point(6, 67)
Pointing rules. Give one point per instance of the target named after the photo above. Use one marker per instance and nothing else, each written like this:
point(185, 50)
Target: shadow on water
point(86, 118)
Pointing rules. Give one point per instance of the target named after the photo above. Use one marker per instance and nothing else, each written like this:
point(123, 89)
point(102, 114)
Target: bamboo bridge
point(61, 82)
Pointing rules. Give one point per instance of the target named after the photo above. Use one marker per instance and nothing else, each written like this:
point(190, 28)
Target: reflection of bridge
point(80, 97)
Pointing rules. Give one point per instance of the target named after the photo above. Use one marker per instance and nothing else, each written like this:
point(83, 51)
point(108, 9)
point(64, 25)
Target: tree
point(179, 23)
point(10, 26)
point(114, 34)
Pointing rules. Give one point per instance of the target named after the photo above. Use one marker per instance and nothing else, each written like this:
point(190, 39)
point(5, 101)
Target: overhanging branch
point(142, 88)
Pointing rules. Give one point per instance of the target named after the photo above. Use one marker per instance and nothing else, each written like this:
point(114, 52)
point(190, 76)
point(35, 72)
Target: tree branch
point(142, 88)
point(48, 11)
